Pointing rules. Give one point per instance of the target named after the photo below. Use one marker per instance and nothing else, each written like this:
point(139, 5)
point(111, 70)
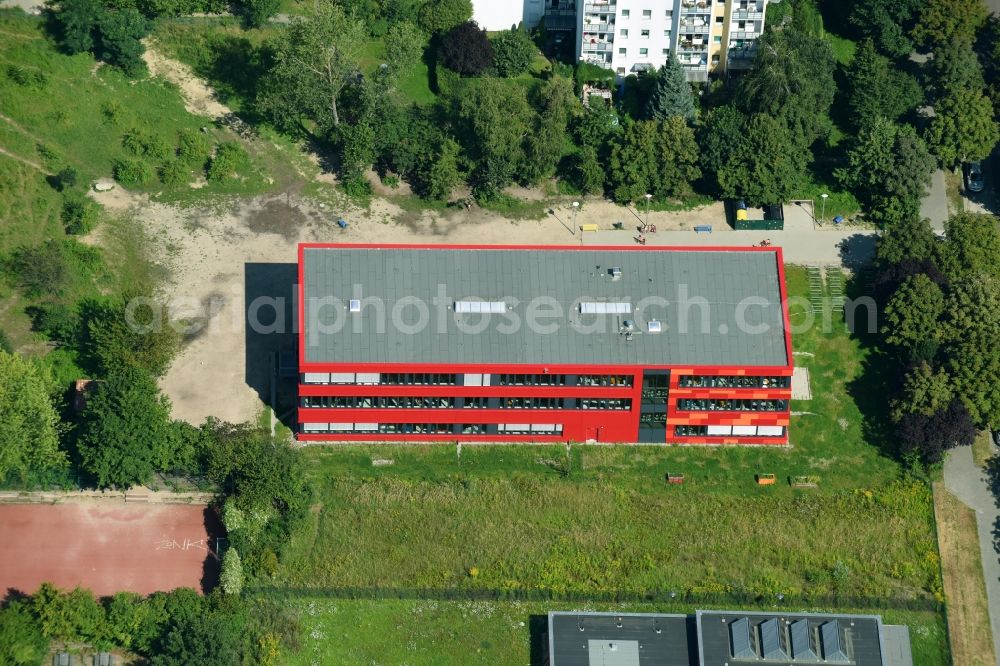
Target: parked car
point(974, 177)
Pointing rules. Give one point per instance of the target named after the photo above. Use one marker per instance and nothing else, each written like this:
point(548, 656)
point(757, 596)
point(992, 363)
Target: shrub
point(113, 112)
point(53, 267)
point(231, 577)
point(5, 344)
point(229, 160)
point(57, 321)
point(175, 173)
point(21, 639)
point(144, 144)
point(513, 52)
point(466, 49)
point(65, 179)
point(125, 333)
point(132, 172)
point(193, 148)
point(79, 214)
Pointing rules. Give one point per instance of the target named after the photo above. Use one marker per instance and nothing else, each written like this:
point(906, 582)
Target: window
point(604, 380)
point(623, 32)
point(621, 70)
point(726, 405)
point(719, 19)
point(622, 51)
point(729, 381)
point(647, 13)
point(666, 51)
point(644, 33)
point(717, 39)
point(643, 52)
point(532, 380)
point(625, 13)
point(742, 25)
point(690, 430)
point(605, 403)
point(666, 33)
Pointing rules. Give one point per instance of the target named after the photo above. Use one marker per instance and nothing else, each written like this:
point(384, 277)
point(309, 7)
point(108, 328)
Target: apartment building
point(543, 344)
point(633, 36)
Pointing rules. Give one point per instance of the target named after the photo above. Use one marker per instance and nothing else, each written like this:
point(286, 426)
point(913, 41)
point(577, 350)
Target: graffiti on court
point(184, 544)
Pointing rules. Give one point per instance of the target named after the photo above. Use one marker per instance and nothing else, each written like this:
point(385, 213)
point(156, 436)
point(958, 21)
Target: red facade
point(527, 403)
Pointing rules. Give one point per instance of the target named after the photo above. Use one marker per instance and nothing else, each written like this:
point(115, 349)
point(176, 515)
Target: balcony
point(600, 8)
point(747, 15)
point(599, 47)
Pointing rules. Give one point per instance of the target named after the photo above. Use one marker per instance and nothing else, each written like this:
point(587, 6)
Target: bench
point(765, 479)
point(675, 478)
point(703, 229)
point(588, 227)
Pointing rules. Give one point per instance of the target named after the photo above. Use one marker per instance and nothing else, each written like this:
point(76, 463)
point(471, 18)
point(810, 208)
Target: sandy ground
point(221, 259)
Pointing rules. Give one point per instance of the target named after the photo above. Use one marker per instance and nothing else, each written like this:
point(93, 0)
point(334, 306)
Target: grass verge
point(964, 587)
point(982, 448)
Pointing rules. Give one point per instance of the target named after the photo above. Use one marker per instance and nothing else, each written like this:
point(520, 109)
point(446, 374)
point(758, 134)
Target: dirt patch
point(964, 588)
point(199, 98)
point(277, 216)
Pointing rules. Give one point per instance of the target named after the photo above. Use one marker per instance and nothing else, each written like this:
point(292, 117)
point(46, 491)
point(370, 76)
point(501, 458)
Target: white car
point(974, 177)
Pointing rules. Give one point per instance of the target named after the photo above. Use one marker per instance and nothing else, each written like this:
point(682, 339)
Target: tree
point(493, 121)
point(256, 13)
point(74, 616)
point(671, 93)
point(889, 168)
point(130, 332)
point(792, 80)
point(654, 157)
point(125, 434)
point(955, 65)
point(913, 314)
point(127, 614)
point(877, 88)
point(886, 23)
point(76, 22)
point(438, 16)
point(911, 238)
point(22, 642)
point(596, 127)
point(231, 577)
point(930, 436)
point(513, 52)
point(29, 424)
point(207, 638)
point(766, 167)
point(677, 159)
point(588, 174)
point(973, 246)
point(313, 60)
point(404, 44)
point(718, 139)
point(440, 175)
point(544, 146)
point(466, 49)
point(963, 128)
point(120, 33)
point(357, 150)
point(925, 391)
point(944, 21)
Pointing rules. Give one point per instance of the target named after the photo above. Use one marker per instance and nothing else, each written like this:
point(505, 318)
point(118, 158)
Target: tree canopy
point(29, 424)
point(877, 88)
point(671, 93)
point(963, 128)
point(513, 52)
point(944, 21)
point(466, 49)
point(767, 165)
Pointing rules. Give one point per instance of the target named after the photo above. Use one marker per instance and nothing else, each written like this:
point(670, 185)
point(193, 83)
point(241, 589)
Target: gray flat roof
point(861, 635)
point(641, 640)
point(739, 292)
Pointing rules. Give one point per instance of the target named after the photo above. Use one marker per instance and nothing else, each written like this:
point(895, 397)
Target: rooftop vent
point(605, 308)
point(739, 639)
point(480, 307)
point(355, 305)
point(654, 326)
point(802, 647)
point(616, 273)
point(770, 639)
point(833, 647)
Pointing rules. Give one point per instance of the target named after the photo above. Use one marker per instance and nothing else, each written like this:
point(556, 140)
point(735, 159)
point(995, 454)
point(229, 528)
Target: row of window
point(730, 381)
point(479, 402)
point(451, 379)
point(728, 431)
point(431, 428)
point(707, 405)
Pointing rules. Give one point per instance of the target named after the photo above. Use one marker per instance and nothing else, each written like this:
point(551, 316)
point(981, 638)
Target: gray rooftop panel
point(802, 647)
point(833, 645)
point(620, 639)
point(897, 645)
point(770, 639)
point(739, 639)
point(714, 301)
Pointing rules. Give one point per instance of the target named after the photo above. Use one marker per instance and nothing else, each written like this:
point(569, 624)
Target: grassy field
point(968, 614)
point(461, 633)
point(593, 520)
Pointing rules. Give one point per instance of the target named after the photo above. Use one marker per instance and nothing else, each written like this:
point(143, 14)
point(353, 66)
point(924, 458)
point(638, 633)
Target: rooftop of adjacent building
point(615, 306)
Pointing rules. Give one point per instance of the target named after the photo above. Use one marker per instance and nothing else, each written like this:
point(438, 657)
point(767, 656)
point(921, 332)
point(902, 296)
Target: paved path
point(934, 205)
point(968, 482)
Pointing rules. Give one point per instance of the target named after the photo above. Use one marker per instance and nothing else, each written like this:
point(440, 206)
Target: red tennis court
point(108, 547)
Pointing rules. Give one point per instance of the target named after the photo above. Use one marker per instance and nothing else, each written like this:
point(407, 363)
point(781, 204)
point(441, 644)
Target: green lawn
point(599, 520)
point(460, 633)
